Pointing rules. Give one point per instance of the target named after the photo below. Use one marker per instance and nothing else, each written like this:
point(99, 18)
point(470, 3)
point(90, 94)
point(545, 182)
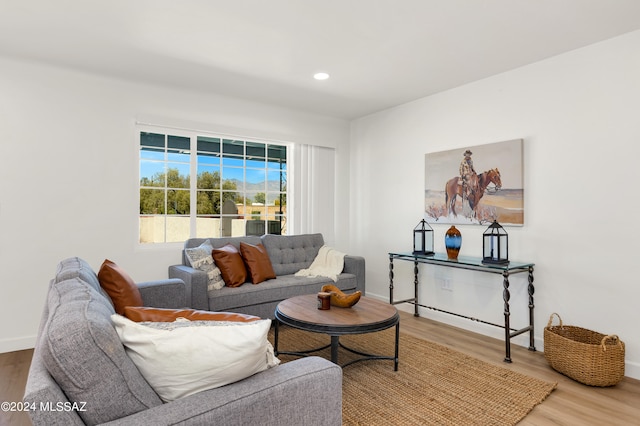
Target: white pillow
point(185, 357)
point(200, 258)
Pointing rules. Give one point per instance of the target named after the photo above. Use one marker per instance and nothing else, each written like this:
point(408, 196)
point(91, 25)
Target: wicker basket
point(586, 356)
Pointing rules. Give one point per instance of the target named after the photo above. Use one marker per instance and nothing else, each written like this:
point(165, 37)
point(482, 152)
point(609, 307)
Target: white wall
point(578, 114)
point(69, 170)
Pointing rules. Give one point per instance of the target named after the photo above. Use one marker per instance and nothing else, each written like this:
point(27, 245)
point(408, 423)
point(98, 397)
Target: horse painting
point(453, 190)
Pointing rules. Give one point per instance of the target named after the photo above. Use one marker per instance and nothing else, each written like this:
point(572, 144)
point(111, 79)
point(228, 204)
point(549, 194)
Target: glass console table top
point(475, 264)
point(461, 261)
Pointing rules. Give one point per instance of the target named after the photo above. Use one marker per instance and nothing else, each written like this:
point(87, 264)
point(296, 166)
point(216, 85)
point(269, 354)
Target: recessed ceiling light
point(321, 76)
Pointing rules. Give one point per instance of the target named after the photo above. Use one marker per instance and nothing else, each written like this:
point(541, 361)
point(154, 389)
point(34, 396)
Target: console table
point(475, 264)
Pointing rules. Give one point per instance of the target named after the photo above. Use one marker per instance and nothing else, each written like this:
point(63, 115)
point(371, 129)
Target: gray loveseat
point(81, 374)
point(288, 254)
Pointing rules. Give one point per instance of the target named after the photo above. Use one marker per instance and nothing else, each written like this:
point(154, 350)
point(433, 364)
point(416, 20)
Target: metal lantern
point(423, 238)
point(495, 245)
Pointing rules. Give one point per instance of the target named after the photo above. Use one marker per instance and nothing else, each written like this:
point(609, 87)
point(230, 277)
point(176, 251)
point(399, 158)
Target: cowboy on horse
point(454, 188)
point(468, 175)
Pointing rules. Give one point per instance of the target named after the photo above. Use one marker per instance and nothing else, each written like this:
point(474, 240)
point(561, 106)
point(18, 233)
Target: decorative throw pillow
point(182, 358)
point(231, 265)
point(143, 313)
point(257, 261)
point(200, 258)
point(119, 286)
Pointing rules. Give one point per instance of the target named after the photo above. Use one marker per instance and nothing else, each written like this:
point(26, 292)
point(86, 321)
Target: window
point(195, 185)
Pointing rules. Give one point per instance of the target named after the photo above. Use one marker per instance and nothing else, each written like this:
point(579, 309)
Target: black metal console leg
point(415, 285)
point(531, 289)
point(391, 279)
point(506, 295)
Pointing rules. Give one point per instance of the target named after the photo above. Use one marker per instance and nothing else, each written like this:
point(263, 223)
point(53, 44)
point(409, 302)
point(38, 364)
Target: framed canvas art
point(476, 185)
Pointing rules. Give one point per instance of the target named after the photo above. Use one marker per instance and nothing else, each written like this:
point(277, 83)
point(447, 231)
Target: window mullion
point(165, 185)
point(193, 184)
point(162, 201)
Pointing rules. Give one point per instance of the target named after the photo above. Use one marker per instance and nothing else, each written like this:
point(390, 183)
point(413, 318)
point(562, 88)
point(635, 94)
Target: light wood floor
point(570, 404)
point(14, 367)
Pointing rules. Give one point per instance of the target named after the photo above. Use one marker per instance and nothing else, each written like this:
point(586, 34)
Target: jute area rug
point(434, 385)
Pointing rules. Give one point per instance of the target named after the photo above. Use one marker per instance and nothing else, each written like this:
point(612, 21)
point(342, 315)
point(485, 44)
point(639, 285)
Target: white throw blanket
point(328, 263)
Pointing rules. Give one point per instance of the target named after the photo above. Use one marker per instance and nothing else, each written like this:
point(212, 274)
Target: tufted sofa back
point(290, 253)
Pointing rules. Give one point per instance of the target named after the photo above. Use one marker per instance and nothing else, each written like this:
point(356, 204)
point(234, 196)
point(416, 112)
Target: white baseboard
point(632, 370)
point(11, 345)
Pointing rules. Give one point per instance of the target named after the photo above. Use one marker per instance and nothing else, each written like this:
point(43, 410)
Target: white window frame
point(193, 181)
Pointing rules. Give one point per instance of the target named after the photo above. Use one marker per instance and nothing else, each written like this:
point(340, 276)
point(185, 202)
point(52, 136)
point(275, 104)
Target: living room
point(69, 167)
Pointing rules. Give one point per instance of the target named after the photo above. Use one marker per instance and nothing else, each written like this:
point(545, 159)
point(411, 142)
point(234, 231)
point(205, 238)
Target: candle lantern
point(423, 238)
point(495, 245)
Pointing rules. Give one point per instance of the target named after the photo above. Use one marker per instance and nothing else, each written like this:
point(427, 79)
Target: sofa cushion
point(182, 358)
point(143, 313)
point(275, 290)
point(119, 286)
point(290, 253)
point(257, 262)
point(201, 258)
point(231, 265)
point(82, 352)
point(75, 267)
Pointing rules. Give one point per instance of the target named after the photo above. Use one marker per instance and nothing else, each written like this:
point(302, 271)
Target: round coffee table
point(367, 316)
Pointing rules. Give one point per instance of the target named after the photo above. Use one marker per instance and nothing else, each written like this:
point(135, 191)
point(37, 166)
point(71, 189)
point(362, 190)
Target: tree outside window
point(239, 187)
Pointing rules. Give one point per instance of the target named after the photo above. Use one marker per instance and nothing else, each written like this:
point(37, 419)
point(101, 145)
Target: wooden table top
point(365, 316)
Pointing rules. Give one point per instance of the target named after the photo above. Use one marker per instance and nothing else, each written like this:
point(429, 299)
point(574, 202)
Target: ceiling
point(380, 53)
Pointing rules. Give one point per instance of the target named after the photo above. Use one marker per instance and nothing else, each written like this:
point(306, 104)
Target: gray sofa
point(288, 254)
point(81, 374)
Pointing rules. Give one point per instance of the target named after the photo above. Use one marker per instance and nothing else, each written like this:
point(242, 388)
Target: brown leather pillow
point(257, 261)
point(231, 266)
point(143, 313)
point(119, 286)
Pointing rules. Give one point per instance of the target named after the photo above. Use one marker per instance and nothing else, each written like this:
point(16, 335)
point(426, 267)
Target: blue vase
point(452, 242)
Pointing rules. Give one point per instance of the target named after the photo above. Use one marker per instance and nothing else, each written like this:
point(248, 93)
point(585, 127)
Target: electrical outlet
point(447, 285)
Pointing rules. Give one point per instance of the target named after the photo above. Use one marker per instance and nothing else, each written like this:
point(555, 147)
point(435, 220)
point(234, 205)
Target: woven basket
point(586, 356)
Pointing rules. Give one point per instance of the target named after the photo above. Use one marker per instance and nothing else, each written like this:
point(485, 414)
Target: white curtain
point(313, 191)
